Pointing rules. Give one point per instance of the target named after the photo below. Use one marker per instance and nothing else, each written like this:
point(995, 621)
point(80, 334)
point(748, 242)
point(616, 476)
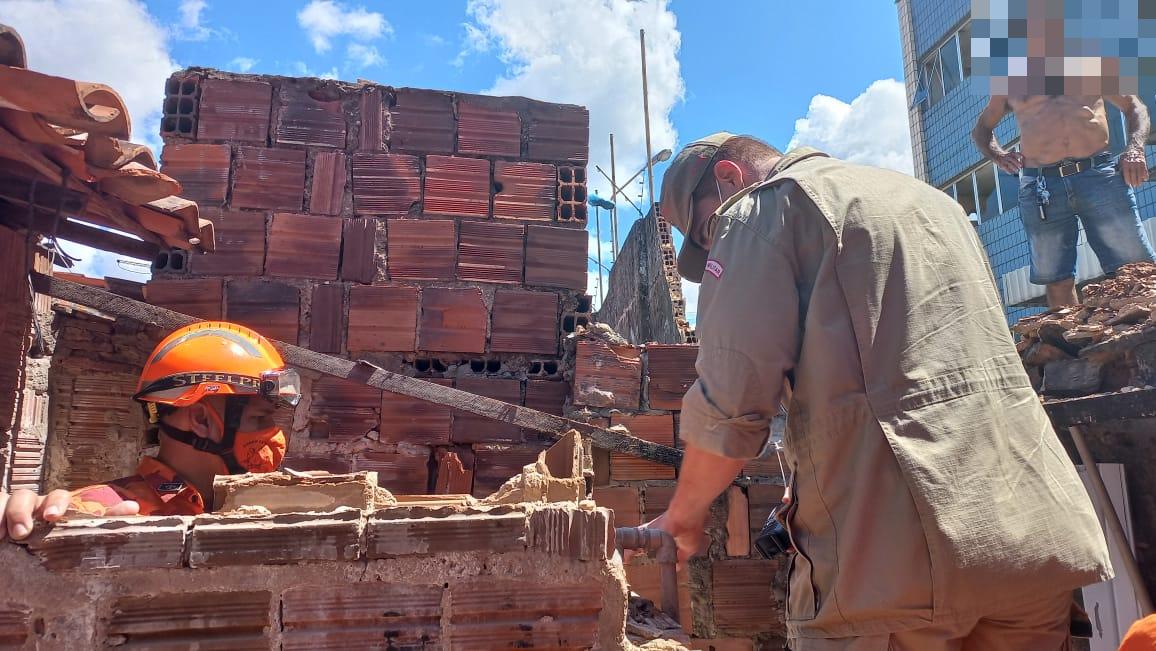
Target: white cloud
point(690, 295)
point(243, 64)
point(300, 69)
point(587, 53)
point(323, 20)
point(364, 56)
point(871, 130)
point(474, 41)
point(191, 27)
point(72, 38)
point(434, 40)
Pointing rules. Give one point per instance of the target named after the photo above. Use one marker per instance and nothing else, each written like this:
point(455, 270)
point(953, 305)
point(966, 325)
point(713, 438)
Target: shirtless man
point(1068, 173)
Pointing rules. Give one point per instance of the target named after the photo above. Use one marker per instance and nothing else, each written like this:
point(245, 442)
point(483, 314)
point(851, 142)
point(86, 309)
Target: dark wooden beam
point(97, 238)
point(370, 375)
point(1102, 408)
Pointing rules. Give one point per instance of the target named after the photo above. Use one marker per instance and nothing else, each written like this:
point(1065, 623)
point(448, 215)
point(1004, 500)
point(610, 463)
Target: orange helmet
point(214, 358)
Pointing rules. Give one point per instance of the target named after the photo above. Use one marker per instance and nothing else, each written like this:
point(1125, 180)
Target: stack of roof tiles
point(436, 234)
point(726, 598)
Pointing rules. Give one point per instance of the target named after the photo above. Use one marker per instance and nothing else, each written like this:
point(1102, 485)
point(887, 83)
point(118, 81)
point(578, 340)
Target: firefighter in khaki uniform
point(209, 391)
point(931, 505)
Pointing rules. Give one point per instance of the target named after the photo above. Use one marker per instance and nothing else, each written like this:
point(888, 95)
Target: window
point(986, 189)
point(949, 61)
point(947, 66)
point(986, 192)
point(934, 80)
point(964, 37)
point(1009, 188)
point(965, 194)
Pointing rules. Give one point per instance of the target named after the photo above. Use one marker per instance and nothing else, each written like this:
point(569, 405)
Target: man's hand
point(20, 510)
point(690, 536)
point(1010, 162)
point(1134, 166)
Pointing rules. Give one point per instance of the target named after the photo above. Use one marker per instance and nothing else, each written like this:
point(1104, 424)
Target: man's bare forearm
point(702, 477)
point(987, 143)
point(1139, 125)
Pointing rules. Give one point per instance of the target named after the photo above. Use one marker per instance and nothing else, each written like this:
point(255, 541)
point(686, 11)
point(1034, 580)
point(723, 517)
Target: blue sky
point(792, 73)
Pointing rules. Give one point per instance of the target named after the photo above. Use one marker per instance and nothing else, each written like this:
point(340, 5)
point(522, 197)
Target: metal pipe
point(656, 540)
point(613, 200)
point(619, 191)
point(646, 116)
point(598, 242)
point(1115, 530)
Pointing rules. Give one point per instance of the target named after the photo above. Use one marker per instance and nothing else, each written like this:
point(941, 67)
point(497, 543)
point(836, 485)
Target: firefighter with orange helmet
point(209, 392)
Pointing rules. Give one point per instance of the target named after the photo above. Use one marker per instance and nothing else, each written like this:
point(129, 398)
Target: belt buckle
point(1064, 169)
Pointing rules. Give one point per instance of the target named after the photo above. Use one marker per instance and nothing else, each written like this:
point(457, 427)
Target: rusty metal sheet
point(421, 121)
point(269, 179)
point(457, 187)
point(421, 249)
point(304, 246)
point(385, 184)
point(556, 257)
point(525, 190)
point(524, 322)
point(234, 110)
point(491, 252)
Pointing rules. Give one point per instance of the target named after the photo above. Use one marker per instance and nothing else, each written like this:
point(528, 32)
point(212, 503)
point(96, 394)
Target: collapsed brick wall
point(729, 597)
point(644, 300)
point(440, 235)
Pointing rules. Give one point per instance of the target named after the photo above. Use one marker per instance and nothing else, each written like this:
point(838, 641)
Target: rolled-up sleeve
point(748, 328)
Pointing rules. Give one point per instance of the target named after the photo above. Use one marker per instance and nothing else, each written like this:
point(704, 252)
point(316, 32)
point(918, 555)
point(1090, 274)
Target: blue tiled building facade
point(943, 106)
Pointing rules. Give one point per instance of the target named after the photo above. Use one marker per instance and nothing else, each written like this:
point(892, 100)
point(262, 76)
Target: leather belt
point(1070, 167)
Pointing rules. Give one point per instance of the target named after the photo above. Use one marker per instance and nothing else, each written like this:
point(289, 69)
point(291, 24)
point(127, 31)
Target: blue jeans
point(1102, 202)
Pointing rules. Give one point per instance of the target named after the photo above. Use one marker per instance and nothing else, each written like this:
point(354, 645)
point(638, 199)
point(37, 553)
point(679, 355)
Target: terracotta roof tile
point(491, 252)
point(270, 308)
point(524, 322)
point(306, 119)
point(527, 190)
point(304, 246)
point(421, 249)
point(556, 257)
point(269, 179)
point(456, 186)
point(330, 175)
point(487, 129)
point(385, 184)
point(382, 319)
point(452, 320)
point(234, 110)
point(421, 121)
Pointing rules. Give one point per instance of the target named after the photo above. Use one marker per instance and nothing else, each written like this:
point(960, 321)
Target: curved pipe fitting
point(665, 553)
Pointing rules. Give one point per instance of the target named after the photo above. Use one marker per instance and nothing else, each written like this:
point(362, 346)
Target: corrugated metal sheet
point(421, 249)
point(491, 253)
point(457, 187)
point(269, 179)
point(385, 184)
point(485, 129)
point(528, 190)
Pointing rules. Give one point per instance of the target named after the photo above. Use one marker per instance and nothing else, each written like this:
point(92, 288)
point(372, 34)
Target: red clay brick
point(761, 499)
point(485, 129)
point(491, 253)
point(494, 613)
point(199, 297)
point(421, 249)
point(646, 580)
point(653, 428)
point(547, 395)
point(402, 473)
point(742, 596)
point(670, 373)
point(370, 136)
point(304, 246)
point(15, 625)
point(582, 535)
point(231, 540)
point(455, 475)
point(326, 318)
point(359, 249)
point(410, 420)
point(524, 322)
point(471, 428)
point(240, 239)
point(556, 257)
point(216, 620)
point(328, 463)
point(361, 616)
point(97, 545)
point(456, 187)
point(203, 171)
point(624, 501)
point(607, 376)
point(329, 178)
point(343, 411)
point(720, 644)
point(558, 132)
point(655, 501)
point(421, 121)
point(738, 523)
point(382, 319)
point(452, 320)
point(270, 308)
point(234, 110)
point(385, 184)
point(494, 463)
point(304, 119)
point(388, 537)
point(528, 190)
point(269, 179)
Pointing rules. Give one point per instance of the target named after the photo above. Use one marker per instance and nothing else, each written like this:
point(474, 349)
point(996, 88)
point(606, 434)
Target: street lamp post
point(621, 189)
point(599, 203)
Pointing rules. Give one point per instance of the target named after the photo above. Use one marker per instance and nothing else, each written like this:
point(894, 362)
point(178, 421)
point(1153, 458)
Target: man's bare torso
point(1055, 127)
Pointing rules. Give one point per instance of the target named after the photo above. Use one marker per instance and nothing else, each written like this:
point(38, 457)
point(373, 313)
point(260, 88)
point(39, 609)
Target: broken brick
point(304, 246)
point(471, 428)
point(199, 297)
point(670, 373)
point(382, 318)
point(411, 420)
point(385, 184)
point(524, 322)
point(271, 308)
point(327, 193)
point(646, 580)
point(409, 533)
point(491, 253)
point(454, 476)
point(457, 187)
point(566, 531)
point(556, 257)
point(494, 463)
point(229, 540)
point(421, 249)
point(309, 117)
point(202, 170)
point(343, 410)
point(421, 121)
point(401, 473)
point(234, 110)
point(269, 179)
point(485, 129)
point(524, 190)
point(452, 320)
point(607, 376)
point(649, 427)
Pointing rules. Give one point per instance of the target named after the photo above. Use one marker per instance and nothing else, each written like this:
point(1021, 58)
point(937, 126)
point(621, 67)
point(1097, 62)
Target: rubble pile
point(1107, 343)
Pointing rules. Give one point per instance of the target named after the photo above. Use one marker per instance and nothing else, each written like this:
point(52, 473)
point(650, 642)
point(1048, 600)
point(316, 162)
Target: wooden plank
point(1102, 407)
point(370, 375)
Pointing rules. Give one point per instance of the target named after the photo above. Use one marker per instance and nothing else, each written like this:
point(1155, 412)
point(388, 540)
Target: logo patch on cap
point(714, 268)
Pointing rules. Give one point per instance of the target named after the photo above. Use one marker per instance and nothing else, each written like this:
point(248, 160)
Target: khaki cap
point(678, 184)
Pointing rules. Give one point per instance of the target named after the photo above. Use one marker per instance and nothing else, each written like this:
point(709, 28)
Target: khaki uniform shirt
point(928, 483)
